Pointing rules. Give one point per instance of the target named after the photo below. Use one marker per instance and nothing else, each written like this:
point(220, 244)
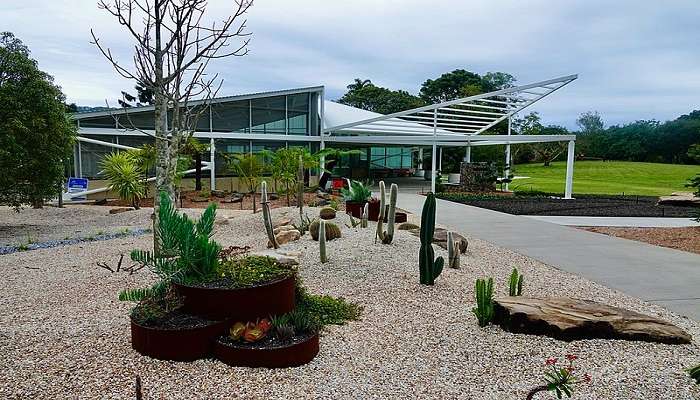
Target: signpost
point(77, 185)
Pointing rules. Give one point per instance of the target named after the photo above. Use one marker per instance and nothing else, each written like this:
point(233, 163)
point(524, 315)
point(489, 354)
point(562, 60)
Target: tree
point(590, 122)
point(174, 44)
point(143, 96)
point(367, 96)
point(492, 81)
point(694, 152)
point(37, 136)
point(450, 86)
point(359, 84)
point(249, 169)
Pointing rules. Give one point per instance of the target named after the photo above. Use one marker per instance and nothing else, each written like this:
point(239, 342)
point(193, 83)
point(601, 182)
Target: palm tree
point(359, 84)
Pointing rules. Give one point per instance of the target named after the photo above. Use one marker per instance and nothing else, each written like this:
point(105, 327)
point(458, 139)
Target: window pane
point(268, 115)
point(224, 149)
point(298, 113)
point(231, 117)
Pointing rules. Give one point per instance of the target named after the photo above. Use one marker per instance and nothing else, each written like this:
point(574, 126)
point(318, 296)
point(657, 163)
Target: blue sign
point(77, 185)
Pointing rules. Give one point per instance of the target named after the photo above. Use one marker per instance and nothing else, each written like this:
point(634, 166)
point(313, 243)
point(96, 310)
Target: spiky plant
point(452, 251)
point(267, 219)
point(365, 216)
point(429, 266)
point(388, 235)
point(187, 253)
point(484, 301)
point(380, 218)
point(322, 241)
point(125, 176)
point(694, 373)
point(515, 283)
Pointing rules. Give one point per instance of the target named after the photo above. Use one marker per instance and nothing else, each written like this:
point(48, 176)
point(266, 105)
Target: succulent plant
point(250, 332)
point(365, 216)
point(237, 330)
point(388, 236)
point(266, 215)
point(332, 230)
point(484, 301)
point(326, 213)
point(300, 188)
point(382, 204)
point(515, 283)
point(322, 241)
point(452, 251)
point(284, 332)
point(429, 266)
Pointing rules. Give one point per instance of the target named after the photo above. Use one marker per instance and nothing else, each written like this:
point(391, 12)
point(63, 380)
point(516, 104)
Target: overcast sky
point(635, 59)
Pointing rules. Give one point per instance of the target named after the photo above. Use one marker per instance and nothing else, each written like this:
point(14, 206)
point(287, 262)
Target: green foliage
point(152, 308)
point(484, 301)
point(332, 230)
point(358, 192)
point(250, 271)
point(515, 283)
point(125, 176)
point(327, 309)
point(367, 96)
point(694, 373)
point(37, 136)
point(267, 218)
point(187, 254)
point(249, 169)
point(429, 266)
point(694, 183)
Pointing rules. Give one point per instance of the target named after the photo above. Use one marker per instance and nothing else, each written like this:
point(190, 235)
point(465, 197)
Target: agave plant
point(125, 176)
point(358, 192)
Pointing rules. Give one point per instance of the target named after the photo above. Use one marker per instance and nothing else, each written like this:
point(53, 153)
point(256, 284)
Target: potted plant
point(356, 196)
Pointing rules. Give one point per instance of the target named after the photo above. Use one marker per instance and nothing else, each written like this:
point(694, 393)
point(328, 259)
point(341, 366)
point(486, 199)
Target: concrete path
point(667, 277)
point(638, 222)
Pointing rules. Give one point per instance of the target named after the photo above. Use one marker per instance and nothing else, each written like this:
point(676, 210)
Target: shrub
point(332, 230)
point(327, 213)
point(327, 309)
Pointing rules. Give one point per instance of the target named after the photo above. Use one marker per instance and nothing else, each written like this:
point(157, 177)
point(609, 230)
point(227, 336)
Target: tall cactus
point(452, 251)
point(266, 215)
point(429, 266)
point(484, 301)
point(300, 187)
point(382, 204)
point(515, 283)
point(388, 236)
point(365, 216)
point(322, 240)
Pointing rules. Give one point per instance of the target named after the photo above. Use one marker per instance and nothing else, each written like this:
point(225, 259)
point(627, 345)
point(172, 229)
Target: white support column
point(468, 154)
point(420, 158)
point(569, 170)
point(434, 153)
point(212, 165)
point(322, 145)
point(440, 164)
point(506, 170)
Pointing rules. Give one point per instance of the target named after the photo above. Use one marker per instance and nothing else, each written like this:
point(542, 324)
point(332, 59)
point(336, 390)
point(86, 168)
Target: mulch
point(686, 239)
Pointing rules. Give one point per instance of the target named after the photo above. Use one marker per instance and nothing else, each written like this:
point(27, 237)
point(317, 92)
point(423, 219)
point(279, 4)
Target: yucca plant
point(358, 192)
point(187, 253)
point(125, 176)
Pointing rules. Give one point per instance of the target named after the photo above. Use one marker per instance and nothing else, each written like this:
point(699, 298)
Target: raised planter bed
point(241, 304)
point(355, 209)
point(177, 344)
point(300, 351)
point(373, 211)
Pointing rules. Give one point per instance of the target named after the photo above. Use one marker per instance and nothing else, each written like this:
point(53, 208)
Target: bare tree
point(173, 47)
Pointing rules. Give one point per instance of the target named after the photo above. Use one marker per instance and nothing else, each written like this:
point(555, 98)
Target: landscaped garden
point(401, 310)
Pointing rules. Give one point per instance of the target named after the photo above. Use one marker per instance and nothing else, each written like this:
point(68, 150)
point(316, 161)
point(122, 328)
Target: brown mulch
point(188, 201)
point(686, 239)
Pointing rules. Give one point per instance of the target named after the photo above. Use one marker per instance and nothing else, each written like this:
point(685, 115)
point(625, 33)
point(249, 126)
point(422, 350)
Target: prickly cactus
point(266, 215)
point(365, 216)
point(382, 204)
point(515, 283)
point(452, 251)
point(322, 240)
point(300, 187)
point(484, 301)
point(429, 266)
point(388, 236)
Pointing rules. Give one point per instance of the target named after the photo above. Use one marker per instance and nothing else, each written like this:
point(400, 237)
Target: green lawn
point(609, 177)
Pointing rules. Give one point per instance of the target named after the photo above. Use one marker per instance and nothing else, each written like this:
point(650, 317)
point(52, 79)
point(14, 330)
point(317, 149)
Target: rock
point(119, 210)
point(282, 222)
point(200, 199)
point(285, 237)
point(440, 238)
point(287, 258)
point(283, 228)
point(322, 203)
point(572, 319)
point(679, 199)
point(223, 220)
point(218, 193)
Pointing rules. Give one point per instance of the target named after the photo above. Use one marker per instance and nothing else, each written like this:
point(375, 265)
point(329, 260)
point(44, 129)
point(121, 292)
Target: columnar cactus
point(515, 283)
point(429, 266)
point(365, 216)
point(322, 240)
point(266, 215)
point(300, 187)
point(452, 251)
point(484, 301)
point(382, 204)
point(388, 236)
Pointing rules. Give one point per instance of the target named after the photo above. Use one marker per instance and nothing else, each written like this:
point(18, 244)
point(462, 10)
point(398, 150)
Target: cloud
point(636, 60)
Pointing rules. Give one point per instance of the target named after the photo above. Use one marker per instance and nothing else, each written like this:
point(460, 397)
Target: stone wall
point(478, 177)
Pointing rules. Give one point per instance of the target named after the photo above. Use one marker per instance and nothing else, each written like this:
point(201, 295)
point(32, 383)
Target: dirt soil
point(686, 239)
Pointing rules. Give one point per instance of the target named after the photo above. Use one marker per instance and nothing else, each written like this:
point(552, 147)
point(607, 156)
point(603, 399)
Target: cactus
point(266, 215)
point(452, 251)
point(322, 240)
point(332, 230)
point(353, 222)
point(515, 283)
point(326, 213)
point(484, 301)
point(429, 266)
point(380, 218)
point(365, 216)
point(300, 187)
point(388, 236)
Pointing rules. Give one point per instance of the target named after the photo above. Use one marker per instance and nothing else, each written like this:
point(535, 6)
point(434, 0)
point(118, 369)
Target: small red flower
point(586, 378)
point(550, 361)
point(571, 357)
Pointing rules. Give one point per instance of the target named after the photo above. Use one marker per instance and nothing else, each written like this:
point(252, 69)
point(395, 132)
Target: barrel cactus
point(332, 230)
point(326, 213)
point(429, 266)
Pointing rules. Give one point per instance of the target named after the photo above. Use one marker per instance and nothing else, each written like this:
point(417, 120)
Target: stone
point(571, 319)
point(285, 237)
point(119, 210)
point(200, 199)
point(218, 193)
point(223, 220)
point(440, 238)
point(679, 199)
point(283, 228)
point(322, 203)
point(282, 222)
point(286, 258)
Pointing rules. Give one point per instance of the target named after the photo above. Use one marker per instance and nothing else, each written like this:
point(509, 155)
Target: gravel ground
point(686, 239)
point(63, 334)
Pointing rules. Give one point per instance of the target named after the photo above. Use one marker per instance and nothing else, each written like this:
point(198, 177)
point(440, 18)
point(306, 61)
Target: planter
point(243, 304)
point(354, 209)
point(373, 211)
point(183, 344)
point(400, 217)
point(292, 355)
point(454, 178)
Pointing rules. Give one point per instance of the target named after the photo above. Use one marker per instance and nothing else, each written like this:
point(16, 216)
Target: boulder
point(440, 238)
point(287, 258)
point(218, 193)
point(282, 222)
point(119, 210)
point(285, 237)
point(283, 228)
point(679, 199)
point(200, 199)
point(571, 319)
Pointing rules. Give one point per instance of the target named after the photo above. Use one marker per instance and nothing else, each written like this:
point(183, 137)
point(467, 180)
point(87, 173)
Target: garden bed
point(269, 353)
point(581, 205)
point(686, 239)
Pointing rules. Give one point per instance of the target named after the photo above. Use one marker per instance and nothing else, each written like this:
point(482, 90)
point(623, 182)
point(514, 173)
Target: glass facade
point(391, 158)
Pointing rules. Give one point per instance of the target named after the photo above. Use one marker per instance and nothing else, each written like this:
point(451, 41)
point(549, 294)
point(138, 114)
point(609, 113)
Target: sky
point(635, 59)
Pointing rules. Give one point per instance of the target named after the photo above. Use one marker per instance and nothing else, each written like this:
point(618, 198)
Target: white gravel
point(63, 334)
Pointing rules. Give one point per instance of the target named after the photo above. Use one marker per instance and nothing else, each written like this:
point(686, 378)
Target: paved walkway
point(667, 277)
point(638, 222)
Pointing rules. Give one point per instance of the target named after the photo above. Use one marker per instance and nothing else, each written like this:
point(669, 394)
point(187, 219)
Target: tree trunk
point(198, 171)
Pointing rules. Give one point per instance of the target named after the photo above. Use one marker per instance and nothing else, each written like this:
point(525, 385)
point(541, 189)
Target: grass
point(607, 177)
